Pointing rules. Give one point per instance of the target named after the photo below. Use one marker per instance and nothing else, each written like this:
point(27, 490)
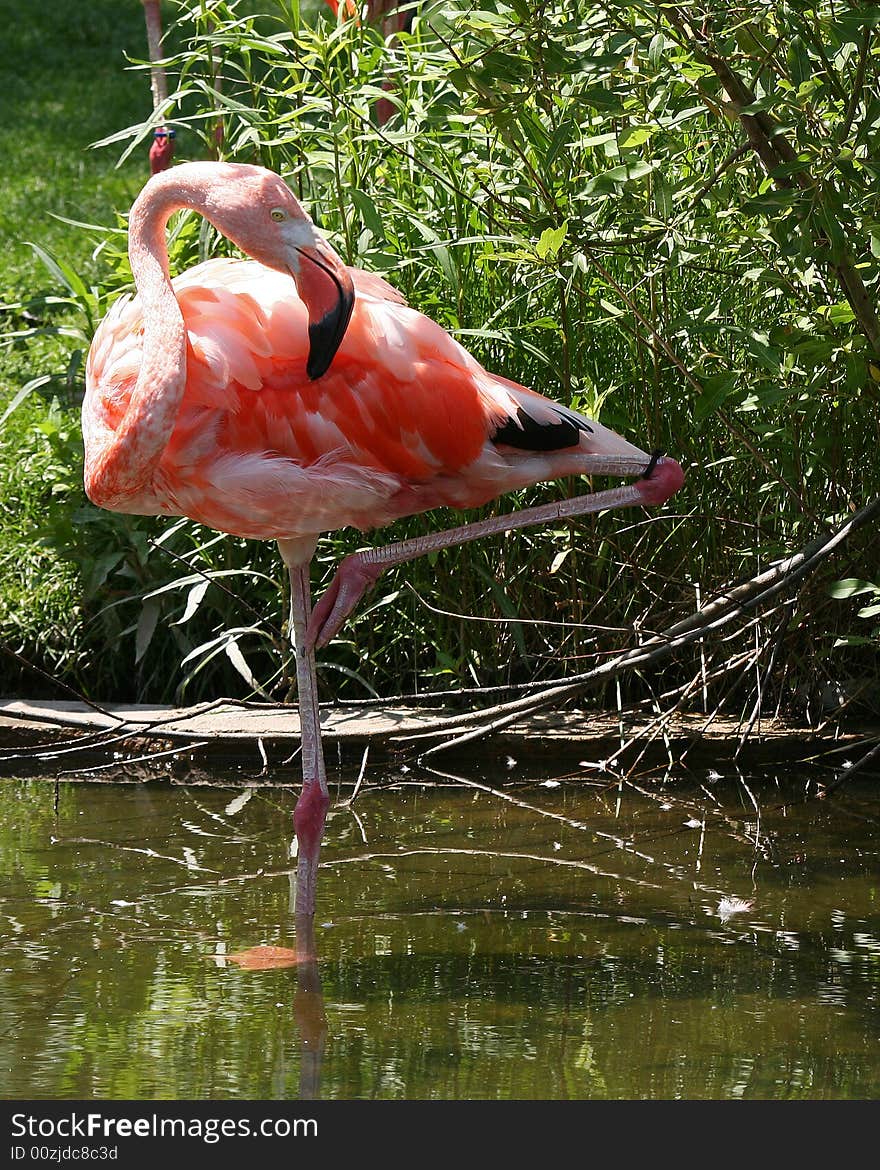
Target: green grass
point(65, 85)
point(63, 77)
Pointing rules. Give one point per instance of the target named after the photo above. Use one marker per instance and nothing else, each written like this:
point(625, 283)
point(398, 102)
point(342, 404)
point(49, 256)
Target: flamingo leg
point(308, 1009)
point(358, 572)
point(158, 83)
point(314, 800)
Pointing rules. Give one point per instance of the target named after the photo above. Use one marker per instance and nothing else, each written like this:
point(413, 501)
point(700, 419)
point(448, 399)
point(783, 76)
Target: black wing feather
point(530, 435)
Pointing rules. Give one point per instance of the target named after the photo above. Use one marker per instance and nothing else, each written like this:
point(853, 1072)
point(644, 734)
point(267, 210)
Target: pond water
point(693, 937)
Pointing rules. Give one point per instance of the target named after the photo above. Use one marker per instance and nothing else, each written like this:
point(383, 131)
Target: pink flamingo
point(153, 18)
point(162, 147)
point(286, 395)
point(388, 11)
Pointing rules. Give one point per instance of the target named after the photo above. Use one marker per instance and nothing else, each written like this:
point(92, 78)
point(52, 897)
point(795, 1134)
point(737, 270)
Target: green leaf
point(799, 61)
point(100, 570)
point(369, 214)
point(482, 19)
point(851, 587)
point(716, 388)
point(551, 241)
point(62, 272)
point(146, 627)
point(655, 52)
point(238, 660)
point(464, 80)
point(839, 314)
point(440, 250)
point(193, 601)
point(23, 393)
point(558, 561)
point(663, 194)
point(635, 136)
point(621, 175)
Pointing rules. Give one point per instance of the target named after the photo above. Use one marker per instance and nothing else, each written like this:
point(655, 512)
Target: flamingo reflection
point(308, 999)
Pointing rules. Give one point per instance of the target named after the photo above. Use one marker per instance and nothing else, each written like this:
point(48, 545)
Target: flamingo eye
point(278, 214)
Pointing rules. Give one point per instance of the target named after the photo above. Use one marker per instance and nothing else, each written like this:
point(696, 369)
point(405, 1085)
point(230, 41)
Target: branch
point(736, 602)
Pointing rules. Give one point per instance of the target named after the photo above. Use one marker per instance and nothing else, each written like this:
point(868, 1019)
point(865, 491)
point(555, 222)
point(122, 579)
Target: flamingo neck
point(127, 468)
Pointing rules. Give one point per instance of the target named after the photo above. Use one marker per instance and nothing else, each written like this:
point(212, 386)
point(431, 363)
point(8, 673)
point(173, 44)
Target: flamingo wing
point(259, 449)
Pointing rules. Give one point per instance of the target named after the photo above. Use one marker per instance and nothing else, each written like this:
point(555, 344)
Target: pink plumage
point(403, 421)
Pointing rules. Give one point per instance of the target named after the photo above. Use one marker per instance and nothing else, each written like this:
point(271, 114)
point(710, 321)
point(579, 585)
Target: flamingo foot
point(308, 821)
point(661, 480)
point(353, 578)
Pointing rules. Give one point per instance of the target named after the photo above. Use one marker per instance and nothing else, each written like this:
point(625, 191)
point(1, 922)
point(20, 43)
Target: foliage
point(666, 215)
point(61, 67)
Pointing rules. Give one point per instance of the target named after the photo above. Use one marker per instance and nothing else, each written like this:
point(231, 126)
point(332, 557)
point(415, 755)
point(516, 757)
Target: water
point(564, 941)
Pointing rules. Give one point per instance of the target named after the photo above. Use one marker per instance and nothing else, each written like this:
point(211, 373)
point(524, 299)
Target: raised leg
point(660, 480)
point(153, 15)
point(311, 808)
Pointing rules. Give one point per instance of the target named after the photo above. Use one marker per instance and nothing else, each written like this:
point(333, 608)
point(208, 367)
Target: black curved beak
point(326, 289)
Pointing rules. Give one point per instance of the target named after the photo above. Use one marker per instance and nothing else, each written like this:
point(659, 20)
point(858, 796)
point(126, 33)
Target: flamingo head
point(162, 149)
point(258, 212)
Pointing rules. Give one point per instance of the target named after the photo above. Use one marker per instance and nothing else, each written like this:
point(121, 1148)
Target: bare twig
point(849, 770)
point(782, 626)
point(133, 849)
point(736, 602)
point(360, 779)
point(150, 756)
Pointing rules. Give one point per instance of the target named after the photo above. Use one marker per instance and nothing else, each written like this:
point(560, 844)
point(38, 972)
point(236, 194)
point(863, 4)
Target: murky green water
point(564, 942)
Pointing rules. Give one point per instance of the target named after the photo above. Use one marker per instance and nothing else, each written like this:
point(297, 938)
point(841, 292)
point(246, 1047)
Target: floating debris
point(262, 958)
point(729, 906)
